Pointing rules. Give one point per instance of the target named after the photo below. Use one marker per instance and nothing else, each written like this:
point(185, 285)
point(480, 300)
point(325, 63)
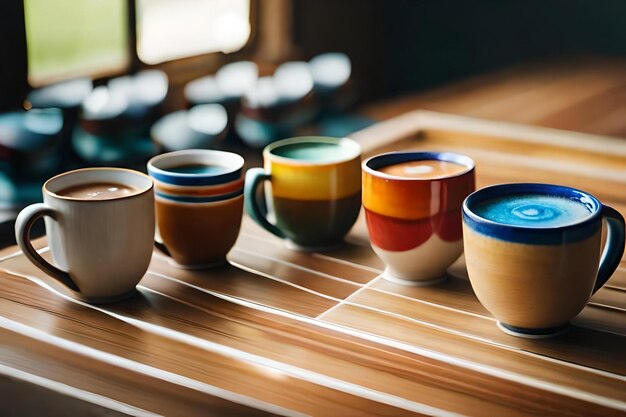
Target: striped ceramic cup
point(533, 253)
point(199, 203)
point(412, 203)
point(313, 190)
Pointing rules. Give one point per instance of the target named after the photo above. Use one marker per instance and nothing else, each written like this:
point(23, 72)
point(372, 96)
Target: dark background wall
point(398, 46)
point(12, 54)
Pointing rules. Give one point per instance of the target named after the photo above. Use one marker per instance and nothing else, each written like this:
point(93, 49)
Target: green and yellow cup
point(312, 190)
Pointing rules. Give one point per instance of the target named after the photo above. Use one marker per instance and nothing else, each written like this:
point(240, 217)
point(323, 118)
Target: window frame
point(179, 70)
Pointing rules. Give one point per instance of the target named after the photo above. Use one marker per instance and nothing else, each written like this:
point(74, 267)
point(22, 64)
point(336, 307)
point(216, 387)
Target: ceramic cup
point(412, 203)
point(533, 253)
point(101, 248)
point(313, 191)
point(199, 204)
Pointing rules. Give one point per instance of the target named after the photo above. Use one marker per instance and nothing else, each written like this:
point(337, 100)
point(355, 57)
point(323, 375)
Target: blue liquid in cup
point(533, 210)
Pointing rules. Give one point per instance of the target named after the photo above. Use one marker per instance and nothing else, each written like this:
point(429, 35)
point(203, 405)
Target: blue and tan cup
point(199, 204)
point(533, 253)
point(313, 191)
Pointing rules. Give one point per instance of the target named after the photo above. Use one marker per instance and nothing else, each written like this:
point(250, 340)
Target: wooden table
point(283, 332)
point(586, 94)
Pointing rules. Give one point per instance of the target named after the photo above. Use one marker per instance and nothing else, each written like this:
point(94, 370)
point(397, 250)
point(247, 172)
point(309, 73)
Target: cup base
point(197, 266)
point(413, 283)
point(294, 246)
point(106, 300)
point(533, 333)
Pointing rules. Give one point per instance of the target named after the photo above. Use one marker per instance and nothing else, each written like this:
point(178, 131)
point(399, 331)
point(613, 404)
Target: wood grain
point(583, 94)
point(291, 333)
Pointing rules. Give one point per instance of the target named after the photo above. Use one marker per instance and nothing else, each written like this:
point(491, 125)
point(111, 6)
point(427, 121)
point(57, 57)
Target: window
point(68, 38)
point(171, 29)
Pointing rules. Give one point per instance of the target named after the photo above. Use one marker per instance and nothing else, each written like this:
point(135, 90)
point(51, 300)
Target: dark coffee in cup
point(196, 169)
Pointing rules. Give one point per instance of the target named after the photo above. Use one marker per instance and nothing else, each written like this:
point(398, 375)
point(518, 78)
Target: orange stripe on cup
point(413, 200)
point(202, 191)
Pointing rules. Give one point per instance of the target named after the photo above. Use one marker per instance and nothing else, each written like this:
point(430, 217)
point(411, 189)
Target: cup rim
point(527, 187)
point(45, 187)
point(183, 179)
point(408, 156)
point(353, 147)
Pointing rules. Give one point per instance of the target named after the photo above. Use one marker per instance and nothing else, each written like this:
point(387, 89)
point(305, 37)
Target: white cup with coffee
point(100, 228)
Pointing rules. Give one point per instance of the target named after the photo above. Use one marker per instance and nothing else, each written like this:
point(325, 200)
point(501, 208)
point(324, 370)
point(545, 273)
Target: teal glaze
point(533, 210)
point(254, 178)
point(310, 151)
point(198, 169)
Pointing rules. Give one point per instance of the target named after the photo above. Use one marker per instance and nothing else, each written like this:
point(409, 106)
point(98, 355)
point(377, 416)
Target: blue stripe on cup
point(162, 167)
point(173, 178)
point(533, 235)
point(190, 199)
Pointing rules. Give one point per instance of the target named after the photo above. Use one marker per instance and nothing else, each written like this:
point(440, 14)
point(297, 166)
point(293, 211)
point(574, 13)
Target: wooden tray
point(282, 332)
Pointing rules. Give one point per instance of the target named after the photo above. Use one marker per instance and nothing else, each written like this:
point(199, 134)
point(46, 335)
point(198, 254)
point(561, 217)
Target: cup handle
point(254, 177)
point(23, 224)
point(614, 248)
